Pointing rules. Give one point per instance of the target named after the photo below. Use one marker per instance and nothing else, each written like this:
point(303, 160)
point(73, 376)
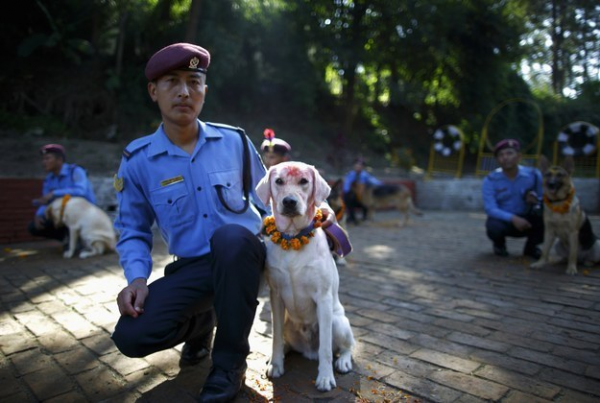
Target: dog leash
point(338, 237)
point(65, 200)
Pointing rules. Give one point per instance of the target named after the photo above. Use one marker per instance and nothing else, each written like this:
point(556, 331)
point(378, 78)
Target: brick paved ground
point(437, 317)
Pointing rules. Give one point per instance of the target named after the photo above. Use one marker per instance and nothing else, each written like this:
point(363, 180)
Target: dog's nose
point(289, 202)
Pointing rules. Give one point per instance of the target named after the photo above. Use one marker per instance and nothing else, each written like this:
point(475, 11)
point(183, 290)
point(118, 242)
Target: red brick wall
point(16, 210)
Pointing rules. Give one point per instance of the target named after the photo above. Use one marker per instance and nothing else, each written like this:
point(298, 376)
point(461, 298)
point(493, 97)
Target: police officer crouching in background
point(62, 179)
point(196, 180)
point(512, 197)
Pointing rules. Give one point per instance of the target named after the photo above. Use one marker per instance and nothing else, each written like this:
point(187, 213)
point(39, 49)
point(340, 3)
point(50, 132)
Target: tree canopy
point(344, 76)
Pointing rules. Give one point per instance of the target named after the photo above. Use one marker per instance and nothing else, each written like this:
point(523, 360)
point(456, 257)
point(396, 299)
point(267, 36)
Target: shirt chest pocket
point(173, 204)
point(228, 188)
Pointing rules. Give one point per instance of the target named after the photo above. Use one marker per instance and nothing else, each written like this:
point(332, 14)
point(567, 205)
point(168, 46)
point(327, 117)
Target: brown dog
point(398, 197)
point(565, 220)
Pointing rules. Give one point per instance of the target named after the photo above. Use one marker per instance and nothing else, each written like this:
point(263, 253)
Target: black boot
point(223, 385)
point(196, 349)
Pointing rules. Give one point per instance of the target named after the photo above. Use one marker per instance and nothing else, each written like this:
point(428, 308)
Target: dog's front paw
point(571, 270)
point(325, 383)
point(86, 253)
point(343, 364)
point(537, 265)
point(275, 370)
point(68, 254)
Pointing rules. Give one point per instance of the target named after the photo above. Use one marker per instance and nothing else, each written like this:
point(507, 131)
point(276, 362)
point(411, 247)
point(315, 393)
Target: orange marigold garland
point(561, 208)
point(291, 242)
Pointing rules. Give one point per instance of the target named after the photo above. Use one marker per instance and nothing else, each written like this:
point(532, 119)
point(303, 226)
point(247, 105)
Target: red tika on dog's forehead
point(293, 171)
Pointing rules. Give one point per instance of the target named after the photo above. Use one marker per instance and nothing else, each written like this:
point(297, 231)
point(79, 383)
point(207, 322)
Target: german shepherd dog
point(565, 219)
point(336, 202)
point(398, 197)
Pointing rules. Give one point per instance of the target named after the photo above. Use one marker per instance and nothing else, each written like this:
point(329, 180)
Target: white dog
point(303, 278)
point(86, 221)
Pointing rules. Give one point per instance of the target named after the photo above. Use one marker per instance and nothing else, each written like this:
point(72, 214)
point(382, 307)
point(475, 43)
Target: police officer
point(62, 179)
point(196, 180)
point(511, 198)
point(274, 150)
point(357, 176)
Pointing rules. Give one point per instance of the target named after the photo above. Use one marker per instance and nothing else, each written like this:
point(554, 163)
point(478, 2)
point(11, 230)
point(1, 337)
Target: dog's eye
point(303, 181)
point(279, 181)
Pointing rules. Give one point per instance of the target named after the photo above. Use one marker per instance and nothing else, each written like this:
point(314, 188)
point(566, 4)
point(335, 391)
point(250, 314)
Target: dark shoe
point(500, 251)
point(197, 349)
point(534, 252)
point(222, 386)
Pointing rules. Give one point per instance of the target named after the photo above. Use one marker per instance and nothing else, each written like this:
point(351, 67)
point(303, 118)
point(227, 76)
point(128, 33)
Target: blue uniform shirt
point(362, 177)
point(71, 180)
point(163, 183)
point(504, 197)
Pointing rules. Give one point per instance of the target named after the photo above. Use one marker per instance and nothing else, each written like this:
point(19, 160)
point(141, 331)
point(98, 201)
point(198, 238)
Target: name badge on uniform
point(171, 181)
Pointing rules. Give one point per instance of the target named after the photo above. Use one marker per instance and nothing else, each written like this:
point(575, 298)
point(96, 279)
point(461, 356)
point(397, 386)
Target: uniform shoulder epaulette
point(136, 145)
point(224, 126)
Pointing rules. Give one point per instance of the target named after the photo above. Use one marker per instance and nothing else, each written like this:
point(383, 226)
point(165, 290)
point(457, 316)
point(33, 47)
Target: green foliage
point(381, 74)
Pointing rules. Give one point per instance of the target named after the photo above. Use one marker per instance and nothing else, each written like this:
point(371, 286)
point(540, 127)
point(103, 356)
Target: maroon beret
point(54, 149)
point(507, 143)
point(179, 56)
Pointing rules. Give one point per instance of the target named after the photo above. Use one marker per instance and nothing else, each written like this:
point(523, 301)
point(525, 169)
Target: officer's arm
point(490, 204)
point(134, 224)
point(258, 170)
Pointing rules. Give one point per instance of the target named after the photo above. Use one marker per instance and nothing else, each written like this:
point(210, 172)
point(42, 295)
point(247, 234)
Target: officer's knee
point(127, 343)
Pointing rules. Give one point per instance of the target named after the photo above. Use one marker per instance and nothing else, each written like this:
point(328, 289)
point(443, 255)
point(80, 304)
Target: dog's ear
point(543, 164)
point(321, 188)
point(263, 189)
point(569, 164)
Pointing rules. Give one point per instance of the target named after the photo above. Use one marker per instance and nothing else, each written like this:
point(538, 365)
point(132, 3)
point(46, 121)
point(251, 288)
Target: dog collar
point(288, 242)
point(65, 200)
point(560, 206)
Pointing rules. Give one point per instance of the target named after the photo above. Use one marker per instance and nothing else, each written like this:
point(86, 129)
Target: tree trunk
point(192, 26)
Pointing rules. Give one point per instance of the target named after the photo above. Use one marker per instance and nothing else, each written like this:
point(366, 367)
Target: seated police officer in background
point(62, 179)
point(355, 182)
point(196, 180)
point(511, 198)
point(274, 150)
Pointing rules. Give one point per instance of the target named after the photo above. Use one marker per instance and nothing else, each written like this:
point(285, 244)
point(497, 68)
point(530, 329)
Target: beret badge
point(194, 61)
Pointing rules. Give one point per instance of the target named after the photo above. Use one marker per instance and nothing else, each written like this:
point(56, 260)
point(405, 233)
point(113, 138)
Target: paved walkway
point(437, 318)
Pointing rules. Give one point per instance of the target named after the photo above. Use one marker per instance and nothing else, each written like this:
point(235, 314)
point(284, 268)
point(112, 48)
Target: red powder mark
point(293, 171)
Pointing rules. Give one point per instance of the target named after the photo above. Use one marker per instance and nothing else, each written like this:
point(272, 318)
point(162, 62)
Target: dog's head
point(556, 178)
point(295, 190)
point(52, 212)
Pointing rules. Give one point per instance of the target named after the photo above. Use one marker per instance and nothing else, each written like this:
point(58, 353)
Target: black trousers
point(226, 280)
point(497, 230)
point(352, 204)
point(48, 230)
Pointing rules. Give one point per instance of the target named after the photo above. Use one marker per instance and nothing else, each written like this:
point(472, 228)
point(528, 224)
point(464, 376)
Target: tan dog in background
point(86, 221)
point(306, 310)
point(398, 197)
point(565, 220)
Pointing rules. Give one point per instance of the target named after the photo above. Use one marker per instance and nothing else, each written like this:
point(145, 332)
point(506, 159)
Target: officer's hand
point(131, 298)
point(520, 223)
point(45, 199)
point(532, 197)
point(328, 215)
